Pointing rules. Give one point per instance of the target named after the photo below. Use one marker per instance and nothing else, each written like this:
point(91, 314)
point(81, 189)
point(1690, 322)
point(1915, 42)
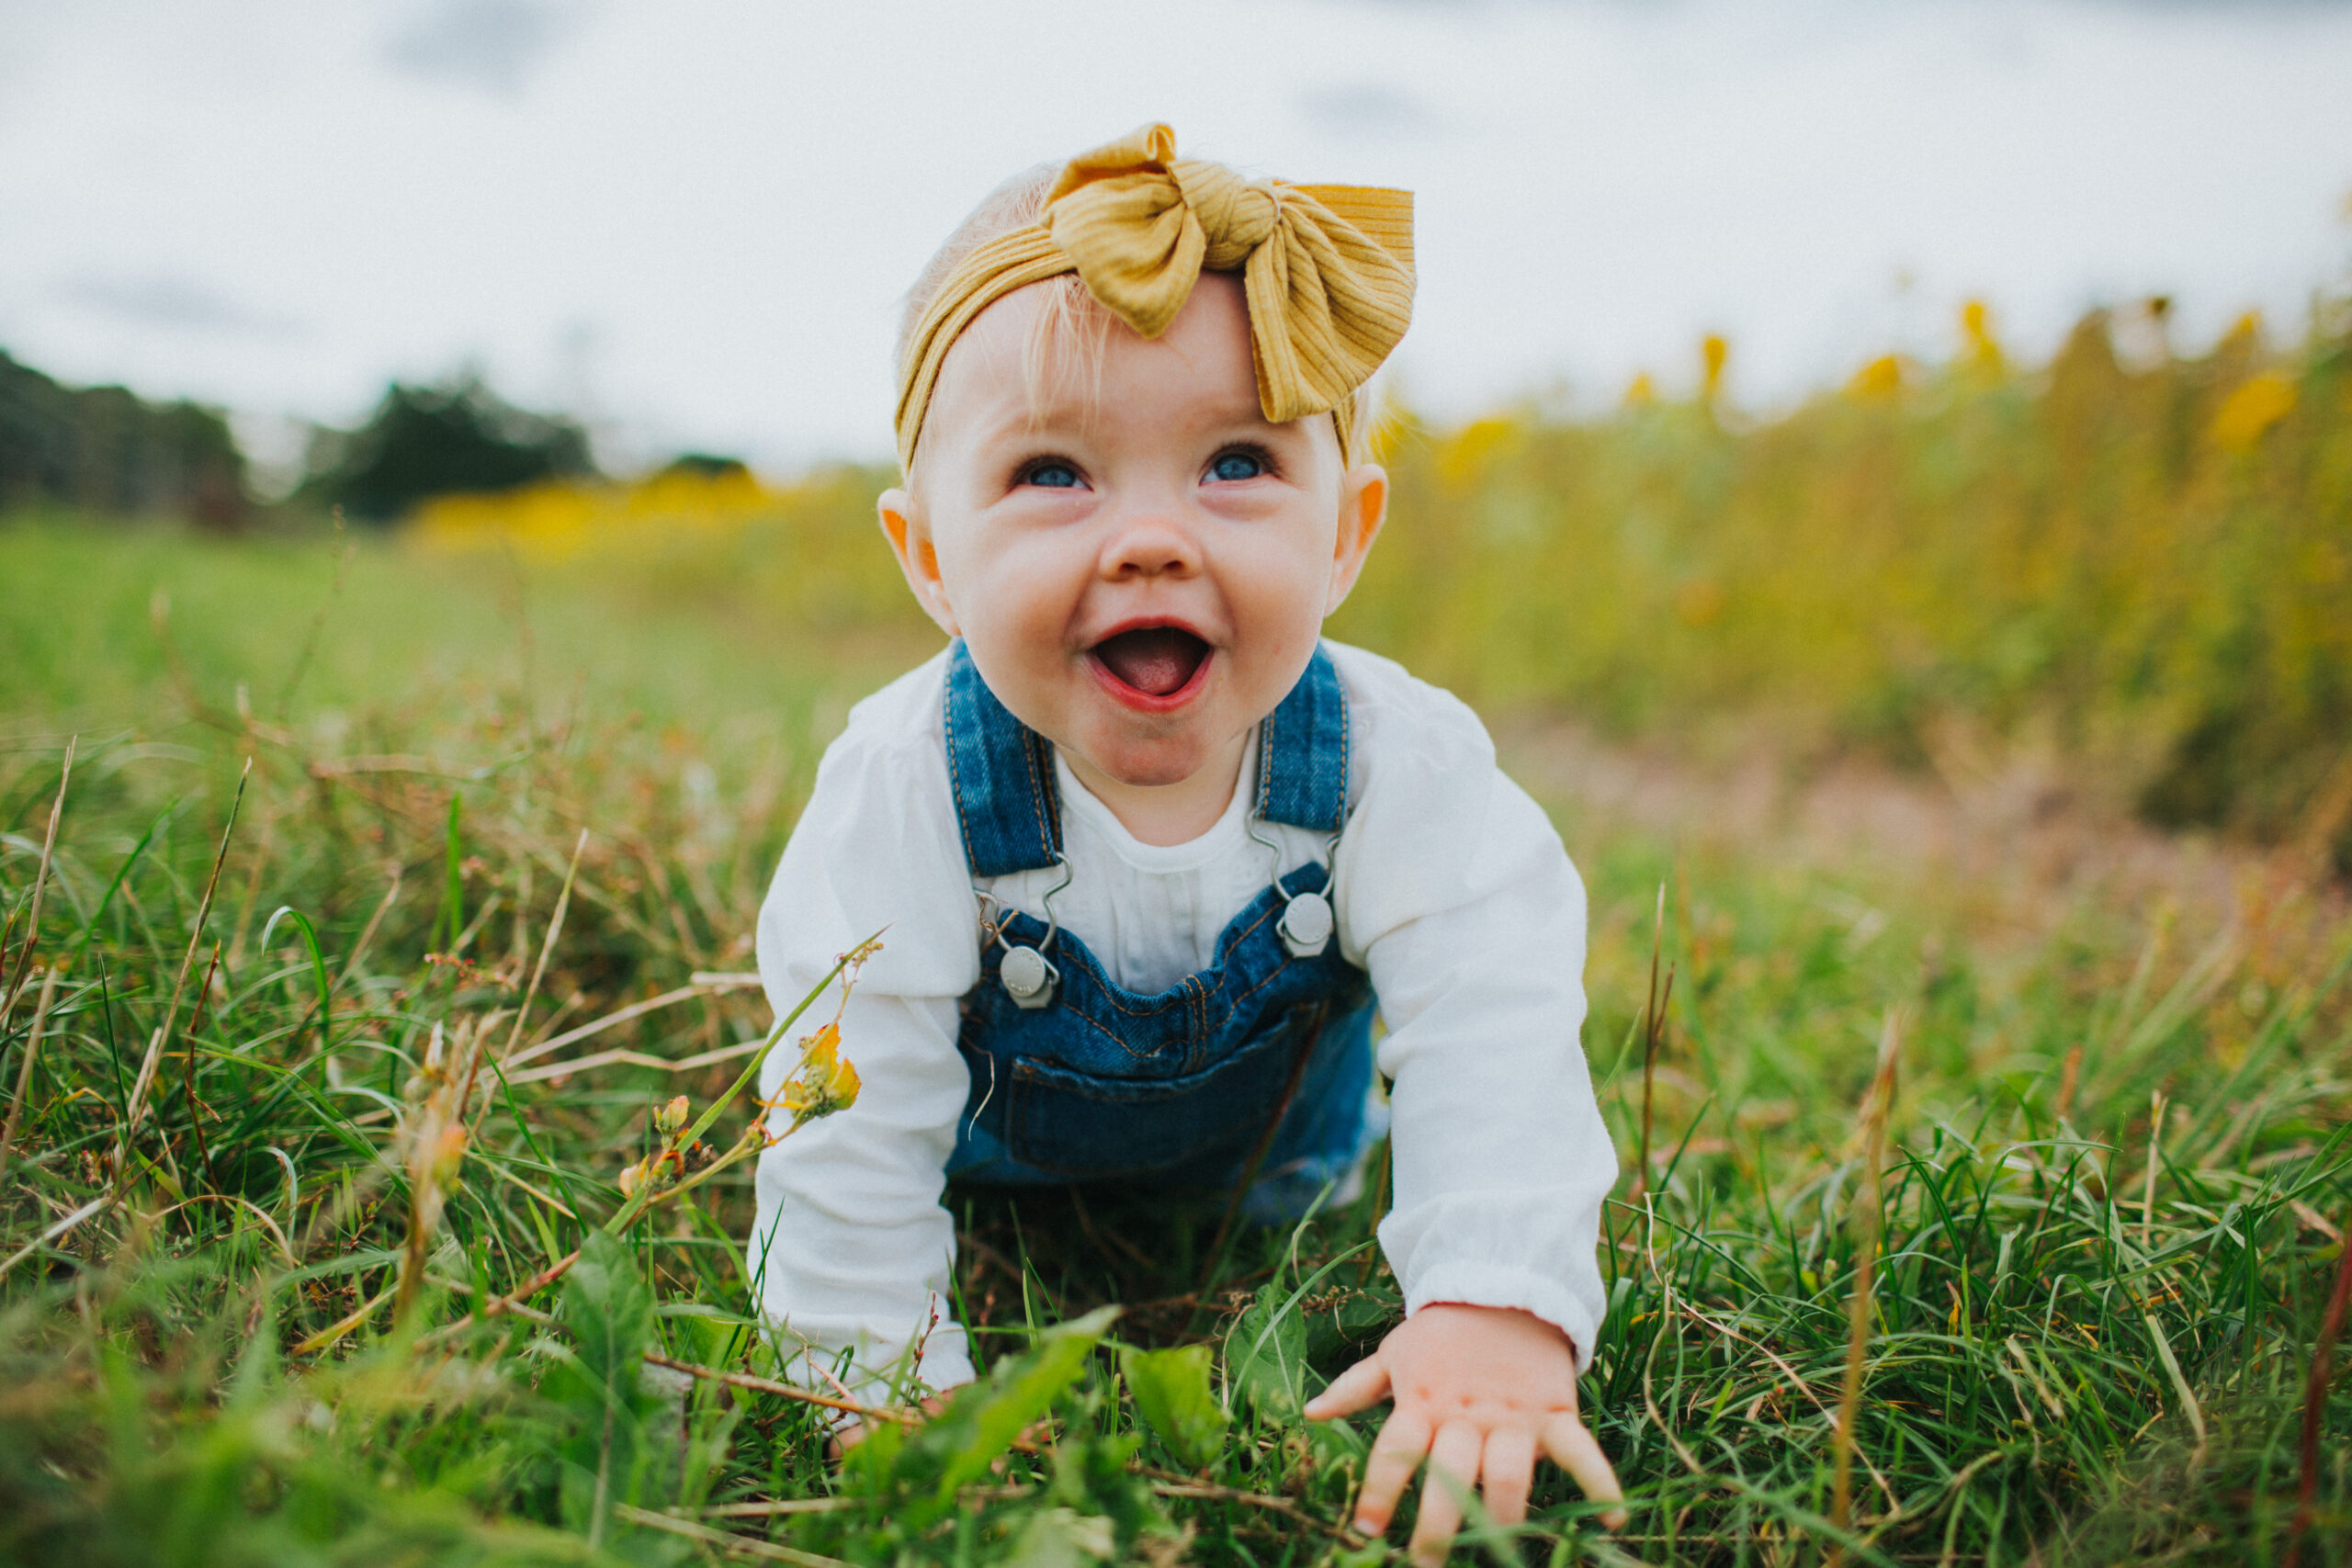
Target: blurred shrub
point(702, 530)
point(2146, 567)
point(101, 450)
point(427, 440)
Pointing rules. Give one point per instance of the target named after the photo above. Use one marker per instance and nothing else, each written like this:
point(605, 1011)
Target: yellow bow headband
point(1328, 270)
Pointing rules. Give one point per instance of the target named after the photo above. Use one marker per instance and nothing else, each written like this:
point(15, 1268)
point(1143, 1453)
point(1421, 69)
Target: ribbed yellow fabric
point(1328, 270)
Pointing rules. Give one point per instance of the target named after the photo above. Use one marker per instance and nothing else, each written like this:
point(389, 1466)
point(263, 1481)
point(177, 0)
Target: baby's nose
point(1150, 544)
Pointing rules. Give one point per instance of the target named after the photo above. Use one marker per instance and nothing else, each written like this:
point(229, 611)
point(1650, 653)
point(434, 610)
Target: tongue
point(1157, 660)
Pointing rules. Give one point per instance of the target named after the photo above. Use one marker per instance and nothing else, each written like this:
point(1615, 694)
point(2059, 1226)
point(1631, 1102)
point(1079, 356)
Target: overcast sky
point(693, 221)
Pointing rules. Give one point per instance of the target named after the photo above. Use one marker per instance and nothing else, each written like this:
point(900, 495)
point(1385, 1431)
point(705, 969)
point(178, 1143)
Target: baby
point(1150, 853)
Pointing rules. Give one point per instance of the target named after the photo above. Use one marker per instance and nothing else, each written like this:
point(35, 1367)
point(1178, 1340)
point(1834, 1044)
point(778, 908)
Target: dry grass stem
point(2315, 1391)
point(25, 1067)
point(1869, 1211)
point(23, 966)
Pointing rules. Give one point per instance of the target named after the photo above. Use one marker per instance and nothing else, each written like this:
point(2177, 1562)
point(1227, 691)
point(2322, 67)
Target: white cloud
point(168, 302)
point(495, 45)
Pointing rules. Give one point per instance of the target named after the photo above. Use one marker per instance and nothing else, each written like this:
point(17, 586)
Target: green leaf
point(1265, 1357)
point(608, 1455)
point(1174, 1392)
point(712, 1338)
point(1057, 1538)
point(987, 1415)
point(956, 1448)
point(610, 1313)
point(1094, 1474)
point(1352, 1325)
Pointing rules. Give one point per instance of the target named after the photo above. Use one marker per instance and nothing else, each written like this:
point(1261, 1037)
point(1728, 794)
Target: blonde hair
point(1066, 335)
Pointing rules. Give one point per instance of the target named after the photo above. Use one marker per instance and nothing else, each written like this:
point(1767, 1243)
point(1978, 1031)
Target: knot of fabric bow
point(1327, 270)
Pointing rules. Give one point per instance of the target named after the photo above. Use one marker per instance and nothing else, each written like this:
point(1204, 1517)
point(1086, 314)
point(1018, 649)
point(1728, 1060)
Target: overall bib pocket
point(1085, 1124)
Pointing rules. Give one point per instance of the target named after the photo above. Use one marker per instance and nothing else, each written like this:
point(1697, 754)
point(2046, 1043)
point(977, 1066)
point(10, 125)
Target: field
point(1984, 1151)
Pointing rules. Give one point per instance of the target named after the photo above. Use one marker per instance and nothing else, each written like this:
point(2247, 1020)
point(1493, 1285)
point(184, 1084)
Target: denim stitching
point(1030, 745)
point(1318, 689)
point(955, 772)
point(1111, 1035)
point(1266, 755)
point(1340, 822)
point(1027, 1070)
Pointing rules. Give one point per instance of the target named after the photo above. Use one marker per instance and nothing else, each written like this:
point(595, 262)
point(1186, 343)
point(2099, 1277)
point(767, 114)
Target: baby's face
point(1139, 561)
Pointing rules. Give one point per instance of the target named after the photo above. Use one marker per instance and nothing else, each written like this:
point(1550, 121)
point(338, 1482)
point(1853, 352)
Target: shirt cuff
point(1501, 1285)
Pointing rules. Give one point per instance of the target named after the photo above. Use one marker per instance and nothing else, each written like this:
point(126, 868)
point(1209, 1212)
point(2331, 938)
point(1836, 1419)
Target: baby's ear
point(910, 535)
point(1363, 507)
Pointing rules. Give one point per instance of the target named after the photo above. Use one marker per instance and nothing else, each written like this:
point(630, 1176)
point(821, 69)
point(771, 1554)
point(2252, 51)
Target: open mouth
point(1157, 661)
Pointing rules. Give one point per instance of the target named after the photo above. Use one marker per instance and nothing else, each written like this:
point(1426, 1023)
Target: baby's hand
point(1478, 1391)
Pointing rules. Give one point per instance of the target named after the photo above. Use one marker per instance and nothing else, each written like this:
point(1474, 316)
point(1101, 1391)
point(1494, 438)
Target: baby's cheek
point(1015, 597)
point(1277, 607)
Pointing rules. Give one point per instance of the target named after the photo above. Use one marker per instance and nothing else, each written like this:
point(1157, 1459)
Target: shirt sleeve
point(851, 1251)
point(1457, 895)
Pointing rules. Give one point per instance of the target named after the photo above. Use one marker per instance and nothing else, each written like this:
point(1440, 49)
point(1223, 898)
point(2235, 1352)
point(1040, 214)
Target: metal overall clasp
point(1027, 976)
point(1307, 921)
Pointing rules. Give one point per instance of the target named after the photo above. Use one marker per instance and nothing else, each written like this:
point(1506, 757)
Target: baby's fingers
point(1505, 1473)
point(1396, 1454)
point(1365, 1383)
point(1573, 1449)
point(1454, 1466)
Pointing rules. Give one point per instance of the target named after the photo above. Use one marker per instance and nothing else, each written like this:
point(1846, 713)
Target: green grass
point(2066, 1361)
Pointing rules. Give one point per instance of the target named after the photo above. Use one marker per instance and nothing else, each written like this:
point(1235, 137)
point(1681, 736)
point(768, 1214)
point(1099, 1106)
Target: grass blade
point(40, 886)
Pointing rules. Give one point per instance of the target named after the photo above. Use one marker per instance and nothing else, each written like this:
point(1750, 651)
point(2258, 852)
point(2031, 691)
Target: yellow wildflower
point(2247, 413)
point(1983, 348)
point(824, 1083)
point(1715, 353)
point(1463, 458)
point(1878, 381)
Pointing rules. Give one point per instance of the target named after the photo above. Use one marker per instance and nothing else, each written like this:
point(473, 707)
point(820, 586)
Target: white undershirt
point(1451, 890)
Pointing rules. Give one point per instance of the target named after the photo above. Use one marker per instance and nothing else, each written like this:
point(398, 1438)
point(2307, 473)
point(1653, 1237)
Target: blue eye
point(1235, 466)
point(1051, 474)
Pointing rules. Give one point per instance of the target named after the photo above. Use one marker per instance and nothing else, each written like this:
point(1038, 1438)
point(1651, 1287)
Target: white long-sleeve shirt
point(1453, 891)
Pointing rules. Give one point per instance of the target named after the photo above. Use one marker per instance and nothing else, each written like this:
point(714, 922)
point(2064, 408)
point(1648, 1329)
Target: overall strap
point(1006, 802)
point(1303, 752)
point(1008, 807)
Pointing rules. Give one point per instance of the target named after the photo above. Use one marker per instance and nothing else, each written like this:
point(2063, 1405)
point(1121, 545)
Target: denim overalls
point(1076, 1078)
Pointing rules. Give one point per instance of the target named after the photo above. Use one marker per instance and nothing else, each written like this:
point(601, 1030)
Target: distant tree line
point(105, 451)
point(102, 449)
point(427, 440)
